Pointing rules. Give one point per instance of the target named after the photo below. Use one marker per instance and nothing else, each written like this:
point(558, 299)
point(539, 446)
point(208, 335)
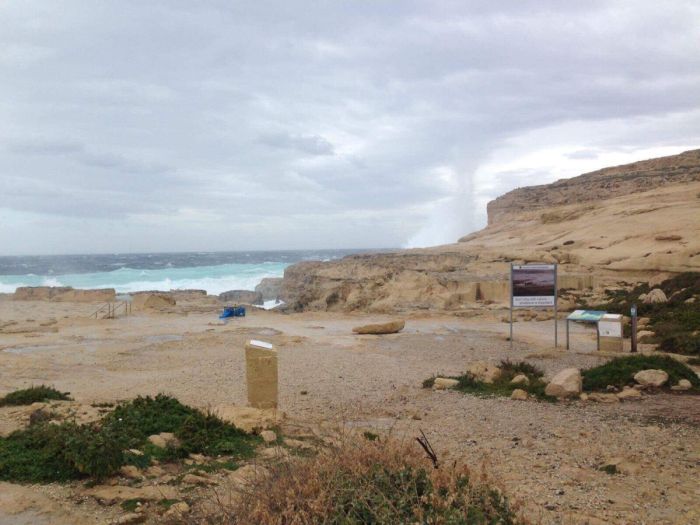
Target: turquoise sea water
point(213, 279)
point(213, 272)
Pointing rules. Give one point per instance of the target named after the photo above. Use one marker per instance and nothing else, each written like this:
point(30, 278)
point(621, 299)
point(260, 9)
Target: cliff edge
point(623, 223)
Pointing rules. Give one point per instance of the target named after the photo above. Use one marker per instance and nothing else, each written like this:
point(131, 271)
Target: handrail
point(112, 308)
point(94, 314)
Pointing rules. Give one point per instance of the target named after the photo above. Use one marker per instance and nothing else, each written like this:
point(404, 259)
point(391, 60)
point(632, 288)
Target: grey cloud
point(583, 154)
point(41, 146)
point(284, 112)
point(311, 144)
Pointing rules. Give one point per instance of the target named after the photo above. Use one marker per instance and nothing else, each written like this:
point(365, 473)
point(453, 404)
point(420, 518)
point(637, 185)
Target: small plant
point(609, 469)
point(95, 452)
point(130, 505)
point(502, 386)
point(620, 371)
point(33, 394)
point(368, 482)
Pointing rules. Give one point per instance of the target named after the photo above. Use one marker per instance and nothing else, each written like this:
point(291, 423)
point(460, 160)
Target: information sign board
point(533, 285)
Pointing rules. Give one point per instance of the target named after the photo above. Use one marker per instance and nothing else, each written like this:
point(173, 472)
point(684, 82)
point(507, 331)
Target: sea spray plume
point(452, 216)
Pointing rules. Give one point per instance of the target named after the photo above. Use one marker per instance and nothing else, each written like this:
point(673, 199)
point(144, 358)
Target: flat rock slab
point(391, 327)
point(109, 495)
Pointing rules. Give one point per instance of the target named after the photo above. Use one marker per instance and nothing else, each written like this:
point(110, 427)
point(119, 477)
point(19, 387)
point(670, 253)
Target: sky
point(150, 126)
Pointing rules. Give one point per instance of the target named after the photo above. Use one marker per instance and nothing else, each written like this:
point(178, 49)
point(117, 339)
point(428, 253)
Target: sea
point(215, 272)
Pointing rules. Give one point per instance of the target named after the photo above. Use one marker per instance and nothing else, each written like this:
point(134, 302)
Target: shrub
point(368, 482)
point(36, 455)
point(502, 386)
point(93, 451)
point(676, 324)
point(620, 371)
point(33, 394)
point(134, 421)
point(46, 452)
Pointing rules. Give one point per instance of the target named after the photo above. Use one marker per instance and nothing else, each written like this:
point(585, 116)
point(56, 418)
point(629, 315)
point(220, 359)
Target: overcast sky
point(219, 125)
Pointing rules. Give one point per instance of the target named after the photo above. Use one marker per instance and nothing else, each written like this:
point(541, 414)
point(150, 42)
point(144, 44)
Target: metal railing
point(112, 309)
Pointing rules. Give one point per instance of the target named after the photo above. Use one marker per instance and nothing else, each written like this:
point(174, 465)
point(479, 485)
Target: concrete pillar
point(261, 374)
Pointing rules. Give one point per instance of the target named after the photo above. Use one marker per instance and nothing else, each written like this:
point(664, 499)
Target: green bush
point(47, 452)
point(36, 455)
point(502, 386)
point(620, 371)
point(94, 452)
point(33, 394)
point(676, 324)
point(198, 432)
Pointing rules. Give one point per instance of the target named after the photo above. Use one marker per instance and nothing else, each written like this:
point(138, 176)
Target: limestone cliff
point(607, 183)
point(627, 222)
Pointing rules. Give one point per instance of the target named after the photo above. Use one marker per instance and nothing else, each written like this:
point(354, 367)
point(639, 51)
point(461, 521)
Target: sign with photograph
point(533, 285)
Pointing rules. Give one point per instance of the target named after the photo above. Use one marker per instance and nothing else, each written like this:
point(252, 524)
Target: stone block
point(261, 374)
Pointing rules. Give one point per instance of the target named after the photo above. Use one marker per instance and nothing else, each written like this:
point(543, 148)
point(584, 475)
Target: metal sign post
point(633, 313)
point(556, 323)
point(511, 306)
point(534, 286)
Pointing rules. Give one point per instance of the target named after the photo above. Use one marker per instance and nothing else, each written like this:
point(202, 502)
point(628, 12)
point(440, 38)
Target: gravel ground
point(546, 456)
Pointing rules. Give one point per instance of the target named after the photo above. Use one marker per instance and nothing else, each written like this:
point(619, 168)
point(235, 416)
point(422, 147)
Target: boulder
point(484, 371)
point(651, 377)
point(682, 385)
point(131, 518)
point(131, 472)
point(392, 327)
point(270, 288)
point(39, 293)
point(245, 474)
point(599, 397)
point(656, 296)
point(567, 383)
point(194, 479)
point(268, 436)
point(164, 440)
point(151, 301)
point(629, 393)
point(520, 379)
point(177, 511)
point(102, 295)
point(644, 333)
point(241, 297)
point(444, 383)
point(249, 419)
point(519, 395)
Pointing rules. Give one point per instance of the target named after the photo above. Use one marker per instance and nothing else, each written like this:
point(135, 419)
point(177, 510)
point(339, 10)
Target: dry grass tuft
point(364, 482)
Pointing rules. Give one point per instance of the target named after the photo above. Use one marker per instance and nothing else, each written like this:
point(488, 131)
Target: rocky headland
point(625, 223)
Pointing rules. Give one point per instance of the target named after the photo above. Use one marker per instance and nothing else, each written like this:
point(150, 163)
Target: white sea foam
point(213, 279)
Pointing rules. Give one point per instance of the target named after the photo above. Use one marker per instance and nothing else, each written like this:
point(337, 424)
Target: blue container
point(233, 311)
